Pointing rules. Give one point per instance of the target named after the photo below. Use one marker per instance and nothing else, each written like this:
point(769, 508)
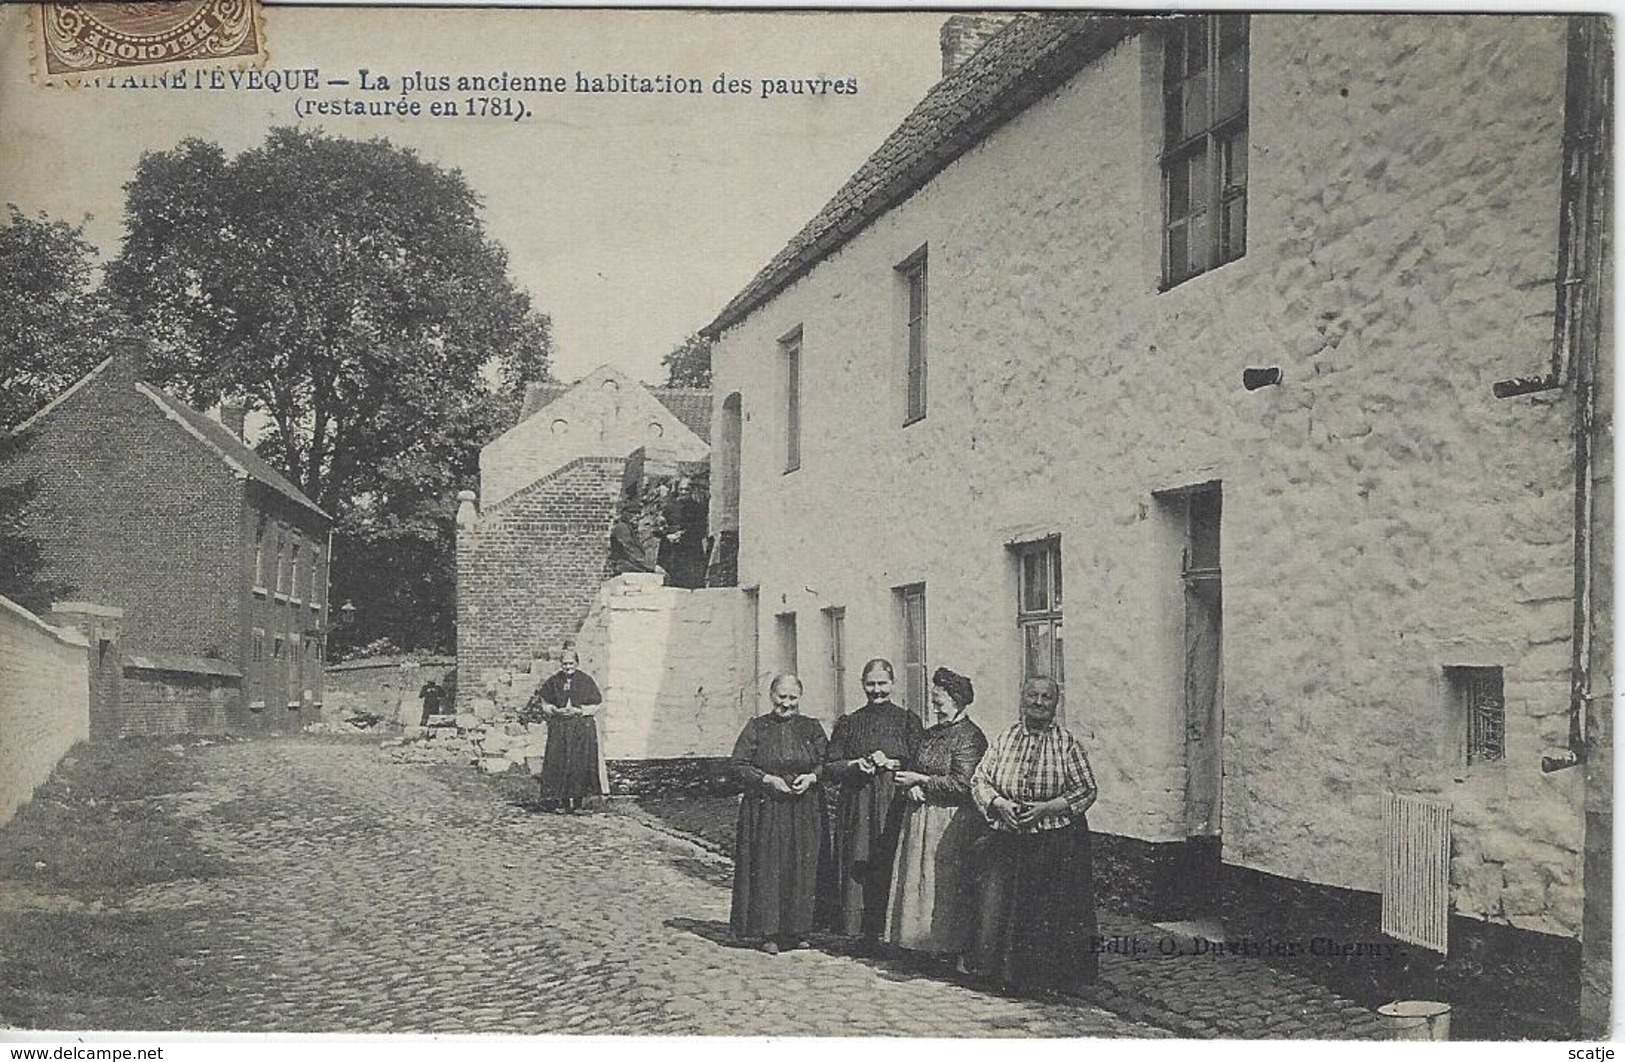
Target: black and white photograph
point(521, 521)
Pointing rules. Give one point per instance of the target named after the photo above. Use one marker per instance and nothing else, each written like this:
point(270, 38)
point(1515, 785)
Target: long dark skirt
point(865, 840)
point(1035, 909)
point(570, 763)
point(776, 863)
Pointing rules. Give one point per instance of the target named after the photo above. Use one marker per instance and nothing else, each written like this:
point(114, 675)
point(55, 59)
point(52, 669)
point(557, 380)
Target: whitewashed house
point(1161, 355)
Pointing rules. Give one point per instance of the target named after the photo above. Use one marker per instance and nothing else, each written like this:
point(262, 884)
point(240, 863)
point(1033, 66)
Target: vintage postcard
point(771, 523)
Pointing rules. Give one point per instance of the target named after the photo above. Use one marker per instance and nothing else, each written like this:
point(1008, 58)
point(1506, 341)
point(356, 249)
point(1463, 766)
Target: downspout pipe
point(1578, 339)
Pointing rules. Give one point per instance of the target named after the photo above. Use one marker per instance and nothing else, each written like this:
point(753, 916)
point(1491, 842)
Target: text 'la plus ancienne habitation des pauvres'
point(368, 93)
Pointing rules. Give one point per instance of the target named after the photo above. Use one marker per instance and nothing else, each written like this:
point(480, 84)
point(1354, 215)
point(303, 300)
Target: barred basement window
point(1480, 694)
point(1204, 152)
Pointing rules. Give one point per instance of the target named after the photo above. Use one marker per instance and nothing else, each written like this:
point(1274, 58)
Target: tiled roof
point(234, 450)
point(691, 405)
point(1029, 57)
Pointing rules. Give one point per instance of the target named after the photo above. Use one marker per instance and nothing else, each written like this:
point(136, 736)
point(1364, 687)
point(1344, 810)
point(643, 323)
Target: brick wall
point(134, 513)
point(44, 701)
point(529, 568)
point(178, 702)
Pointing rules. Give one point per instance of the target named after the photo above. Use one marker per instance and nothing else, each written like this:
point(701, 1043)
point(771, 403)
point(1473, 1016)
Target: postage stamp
point(72, 39)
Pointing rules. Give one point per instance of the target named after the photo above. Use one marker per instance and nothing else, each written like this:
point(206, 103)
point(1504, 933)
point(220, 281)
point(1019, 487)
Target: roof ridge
point(1026, 58)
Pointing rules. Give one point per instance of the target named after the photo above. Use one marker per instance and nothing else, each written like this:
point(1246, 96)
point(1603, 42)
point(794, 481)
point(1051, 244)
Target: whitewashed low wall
point(44, 701)
point(668, 662)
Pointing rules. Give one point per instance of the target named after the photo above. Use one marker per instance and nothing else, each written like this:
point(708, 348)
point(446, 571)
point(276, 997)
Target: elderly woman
point(781, 822)
point(926, 911)
point(1035, 903)
point(865, 749)
point(572, 767)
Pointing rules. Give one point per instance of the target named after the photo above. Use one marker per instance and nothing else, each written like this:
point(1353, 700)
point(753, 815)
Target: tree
point(347, 291)
point(54, 324)
point(690, 364)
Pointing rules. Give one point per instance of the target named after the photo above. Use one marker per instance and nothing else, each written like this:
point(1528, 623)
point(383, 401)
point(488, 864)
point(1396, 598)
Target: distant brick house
point(533, 544)
point(218, 563)
point(1241, 330)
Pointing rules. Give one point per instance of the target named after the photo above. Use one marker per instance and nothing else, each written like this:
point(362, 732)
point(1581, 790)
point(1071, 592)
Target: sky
point(630, 218)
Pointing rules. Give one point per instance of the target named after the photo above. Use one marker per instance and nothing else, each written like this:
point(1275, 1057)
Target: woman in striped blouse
point(1034, 909)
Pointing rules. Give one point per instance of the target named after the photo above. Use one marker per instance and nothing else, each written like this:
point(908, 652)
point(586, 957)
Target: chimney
point(131, 358)
point(963, 34)
point(232, 415)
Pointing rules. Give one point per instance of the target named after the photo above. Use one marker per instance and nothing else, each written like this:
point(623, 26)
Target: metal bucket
point(1416, 1019)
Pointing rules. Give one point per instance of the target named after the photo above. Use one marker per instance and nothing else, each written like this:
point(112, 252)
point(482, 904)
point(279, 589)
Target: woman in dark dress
point(865, 750)
point(927, 912)
point(569, 701)
point(781, 822)
point(1033, 924)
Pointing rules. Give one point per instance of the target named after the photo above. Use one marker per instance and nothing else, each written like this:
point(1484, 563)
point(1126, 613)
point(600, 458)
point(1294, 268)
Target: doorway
point(1192, 519)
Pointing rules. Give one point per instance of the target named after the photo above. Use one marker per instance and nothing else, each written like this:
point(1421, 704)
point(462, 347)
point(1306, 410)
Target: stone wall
point(44, 701)
point(529, 568)
point(668, 662)
point(1384, 515)
point(387, 687)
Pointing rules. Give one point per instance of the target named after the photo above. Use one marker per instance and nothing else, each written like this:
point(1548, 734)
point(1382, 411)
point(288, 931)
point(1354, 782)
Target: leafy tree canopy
point(346, 291)
point(690, 364)
point(54, 325)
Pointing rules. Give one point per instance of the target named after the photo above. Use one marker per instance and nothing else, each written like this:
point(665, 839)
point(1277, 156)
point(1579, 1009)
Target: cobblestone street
point(368, 896)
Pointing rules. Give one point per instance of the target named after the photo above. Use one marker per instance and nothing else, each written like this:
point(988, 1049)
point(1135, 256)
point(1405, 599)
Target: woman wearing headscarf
point(781, 822)
point(572, 767)
point(926, 911)
point(865, 750)
point(1034, 915)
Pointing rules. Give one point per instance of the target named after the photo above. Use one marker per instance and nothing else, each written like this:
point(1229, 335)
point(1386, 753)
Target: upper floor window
point(912, 275)
point(1204, 150)
point(281, 586)
point(790, 345)
point(259, 556)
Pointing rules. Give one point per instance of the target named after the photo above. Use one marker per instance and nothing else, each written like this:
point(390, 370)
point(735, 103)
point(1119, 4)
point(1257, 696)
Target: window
point(1204, 155)
point(259, 557)
point(315, 576)
point(791, 345)
point(293, 571)
point(256, 666)
point(295, 660)
point(281, 563)
point(1479, 695)
point(835, 629)
point(1038, 609)
point(912, 275)
point(785, 623)
point(911, 615)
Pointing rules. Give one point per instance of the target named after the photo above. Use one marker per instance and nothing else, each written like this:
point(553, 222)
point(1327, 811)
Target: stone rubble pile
point(489, 735)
